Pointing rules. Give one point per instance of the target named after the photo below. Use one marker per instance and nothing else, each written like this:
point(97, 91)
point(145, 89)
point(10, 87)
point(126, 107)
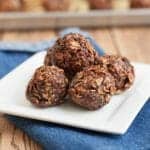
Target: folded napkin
point(58, 137)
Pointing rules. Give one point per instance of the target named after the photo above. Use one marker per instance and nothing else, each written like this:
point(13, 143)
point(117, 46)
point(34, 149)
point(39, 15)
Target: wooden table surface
point(132, 42)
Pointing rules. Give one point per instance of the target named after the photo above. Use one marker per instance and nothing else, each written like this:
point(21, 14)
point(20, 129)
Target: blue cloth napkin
point(58, 137)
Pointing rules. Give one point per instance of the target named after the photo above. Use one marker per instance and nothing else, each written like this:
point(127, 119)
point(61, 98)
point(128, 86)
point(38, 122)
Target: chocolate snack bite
point(47, 87)
point(100, 4)
point(121, 69)
point(56, 5)
point(73, 53)
point(92, 87)
point(11, 5)
point(140, 4)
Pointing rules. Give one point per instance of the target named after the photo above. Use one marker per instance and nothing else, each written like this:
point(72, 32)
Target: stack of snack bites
point(72, 67)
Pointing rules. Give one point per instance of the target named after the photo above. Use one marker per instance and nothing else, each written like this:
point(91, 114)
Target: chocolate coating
point(92, 87)
point(140, 3)
point(11, 5)
point(100, 4)
point(47, 87)
point(71, 53)
point(56, 5)
point(121, 69)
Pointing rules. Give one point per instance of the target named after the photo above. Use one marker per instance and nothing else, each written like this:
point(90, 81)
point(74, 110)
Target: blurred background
point(35, 14)
point(69, 5)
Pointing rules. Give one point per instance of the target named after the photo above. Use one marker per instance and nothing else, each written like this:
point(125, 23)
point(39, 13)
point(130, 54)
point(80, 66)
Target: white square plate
point(116, 117)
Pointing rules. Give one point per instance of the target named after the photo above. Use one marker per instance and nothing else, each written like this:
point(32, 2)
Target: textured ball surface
point(92, 87)
point(71, 53)
point(47, 87)
point(121, 69)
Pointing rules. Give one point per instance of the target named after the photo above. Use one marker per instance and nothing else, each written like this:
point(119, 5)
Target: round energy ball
point(11, 5)
point(71, 53)
point(121, 69)
point(100, 4)
point(140, 3)
point(92, 87)
point(47, 87)
point(56, 5)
